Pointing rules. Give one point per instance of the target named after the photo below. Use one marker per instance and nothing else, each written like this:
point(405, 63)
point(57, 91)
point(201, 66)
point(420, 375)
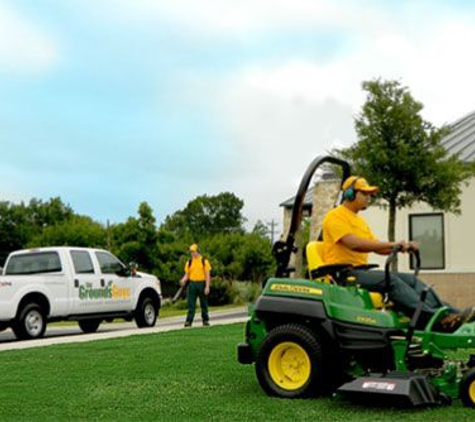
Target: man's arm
point(358, 244)
point(207, 282)
point(184, 279)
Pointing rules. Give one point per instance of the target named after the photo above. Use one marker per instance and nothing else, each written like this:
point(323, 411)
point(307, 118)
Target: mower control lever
point(415, 317)
point(387, 275)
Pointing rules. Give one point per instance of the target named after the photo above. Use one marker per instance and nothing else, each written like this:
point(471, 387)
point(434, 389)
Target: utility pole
point(273, 226)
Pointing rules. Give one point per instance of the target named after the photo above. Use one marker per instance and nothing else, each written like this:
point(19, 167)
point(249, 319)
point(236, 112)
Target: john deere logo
point(365, 320)
point(296, 289)
point(110, 291)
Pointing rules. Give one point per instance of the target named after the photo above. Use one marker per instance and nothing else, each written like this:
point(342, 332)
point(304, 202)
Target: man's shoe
point(453, 322)
point(187, 324)
point(206, 323)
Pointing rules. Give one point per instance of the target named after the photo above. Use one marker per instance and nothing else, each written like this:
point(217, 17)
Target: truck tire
point(146, 313)
point(30, 322)
point(89, 325)
point(289, 363)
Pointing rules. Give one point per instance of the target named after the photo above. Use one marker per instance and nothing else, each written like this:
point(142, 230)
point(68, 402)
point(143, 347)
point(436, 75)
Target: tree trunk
point(392, 228)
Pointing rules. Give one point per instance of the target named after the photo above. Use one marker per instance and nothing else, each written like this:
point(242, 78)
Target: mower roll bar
point(283, 249)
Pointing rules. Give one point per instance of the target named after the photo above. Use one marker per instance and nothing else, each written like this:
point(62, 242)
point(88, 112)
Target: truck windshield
point(33, 263)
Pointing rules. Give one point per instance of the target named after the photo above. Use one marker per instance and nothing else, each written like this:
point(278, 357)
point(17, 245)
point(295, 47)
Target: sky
point(108, 103)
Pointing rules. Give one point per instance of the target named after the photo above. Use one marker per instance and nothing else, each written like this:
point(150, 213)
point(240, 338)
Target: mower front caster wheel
point(289, 363)
point(467, 389)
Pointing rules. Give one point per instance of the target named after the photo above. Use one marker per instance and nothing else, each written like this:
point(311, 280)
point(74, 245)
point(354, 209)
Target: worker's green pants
point(197, 289)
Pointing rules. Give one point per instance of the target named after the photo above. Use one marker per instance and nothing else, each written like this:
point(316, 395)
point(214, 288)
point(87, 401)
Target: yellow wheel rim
point(471, 391)
point(289, 366)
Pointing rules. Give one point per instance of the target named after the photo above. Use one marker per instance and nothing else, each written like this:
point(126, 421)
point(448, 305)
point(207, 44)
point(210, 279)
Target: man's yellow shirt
point(197, 271)
point(338, 223)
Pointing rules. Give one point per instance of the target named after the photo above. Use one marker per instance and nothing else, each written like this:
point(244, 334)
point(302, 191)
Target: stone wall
point(458, 289)
point(324, 196)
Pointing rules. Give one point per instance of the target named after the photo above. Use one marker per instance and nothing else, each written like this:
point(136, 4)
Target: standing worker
point(197, 274)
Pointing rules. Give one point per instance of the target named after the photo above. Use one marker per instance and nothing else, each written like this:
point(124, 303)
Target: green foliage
point(172, 254)
point(224, 292)
point(239, 256)
point(77, 231)
point(20, 223)
point(243, 292)
point(220, 293)
point(261, 229)
point(207, 215)
point(136, 239)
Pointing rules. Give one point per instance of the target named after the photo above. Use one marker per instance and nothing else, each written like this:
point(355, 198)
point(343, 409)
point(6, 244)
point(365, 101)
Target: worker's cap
point(359, 183)
point(132, 264)
point(194, 247)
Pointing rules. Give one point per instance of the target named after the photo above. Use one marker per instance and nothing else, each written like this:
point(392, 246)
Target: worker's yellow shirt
point(338, 223)
point(197, 271)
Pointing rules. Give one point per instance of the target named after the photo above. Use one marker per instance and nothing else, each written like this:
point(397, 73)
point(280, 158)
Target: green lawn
point(181, 375)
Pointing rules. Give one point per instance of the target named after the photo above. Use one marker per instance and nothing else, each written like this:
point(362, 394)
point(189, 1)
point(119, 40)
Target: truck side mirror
point(123, 272)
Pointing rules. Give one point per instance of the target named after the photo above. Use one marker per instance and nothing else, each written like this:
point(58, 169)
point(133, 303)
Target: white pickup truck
point(79, 284)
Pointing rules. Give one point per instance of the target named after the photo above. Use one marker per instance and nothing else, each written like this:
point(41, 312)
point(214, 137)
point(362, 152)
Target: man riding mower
point(326, 334)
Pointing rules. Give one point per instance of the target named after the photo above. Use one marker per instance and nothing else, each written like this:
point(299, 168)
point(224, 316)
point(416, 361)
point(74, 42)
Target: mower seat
point(328, 273)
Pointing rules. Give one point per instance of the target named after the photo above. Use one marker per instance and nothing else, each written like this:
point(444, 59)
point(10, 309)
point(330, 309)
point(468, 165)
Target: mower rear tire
point(289, 363)
point(467, 389)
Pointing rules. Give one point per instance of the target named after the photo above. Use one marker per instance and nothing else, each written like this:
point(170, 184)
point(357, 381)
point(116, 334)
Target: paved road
point(73, 334)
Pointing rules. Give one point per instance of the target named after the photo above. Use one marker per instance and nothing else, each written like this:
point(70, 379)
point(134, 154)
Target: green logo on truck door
point(110, 291)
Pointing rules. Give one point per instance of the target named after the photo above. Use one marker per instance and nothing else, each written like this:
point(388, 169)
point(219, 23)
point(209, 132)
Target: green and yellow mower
point(323, 334)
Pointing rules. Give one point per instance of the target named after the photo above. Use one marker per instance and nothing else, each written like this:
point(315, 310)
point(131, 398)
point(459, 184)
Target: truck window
point(109, 264)
point(82, 262)
point(33, 263)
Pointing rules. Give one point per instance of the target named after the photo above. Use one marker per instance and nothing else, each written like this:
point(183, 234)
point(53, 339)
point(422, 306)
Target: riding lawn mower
point(323, 334)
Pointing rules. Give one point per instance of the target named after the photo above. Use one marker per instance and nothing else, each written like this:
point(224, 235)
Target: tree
point(136, 239)
point(20, 223)
point(239, 256)
point(261, 229)
point(401, 153)
point(207, 215)
point(77, 231)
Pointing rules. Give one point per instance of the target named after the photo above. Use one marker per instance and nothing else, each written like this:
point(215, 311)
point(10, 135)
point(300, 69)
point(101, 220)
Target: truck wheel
point(30, 323)
point(89, 325)
point(289, 363)
point(467, 388)
point(146, 313)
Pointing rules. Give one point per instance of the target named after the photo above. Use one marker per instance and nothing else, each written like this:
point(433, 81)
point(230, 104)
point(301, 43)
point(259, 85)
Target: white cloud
point(282, 116)
point(24, 47)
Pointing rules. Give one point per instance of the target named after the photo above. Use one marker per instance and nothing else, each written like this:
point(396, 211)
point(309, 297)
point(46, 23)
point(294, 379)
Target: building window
point(428, 230)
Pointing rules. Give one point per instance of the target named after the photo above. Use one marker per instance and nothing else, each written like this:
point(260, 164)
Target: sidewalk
point(73, 334)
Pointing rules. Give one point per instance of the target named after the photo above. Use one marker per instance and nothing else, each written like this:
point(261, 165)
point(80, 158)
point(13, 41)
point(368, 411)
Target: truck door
point(114, 278)
point(87, 293)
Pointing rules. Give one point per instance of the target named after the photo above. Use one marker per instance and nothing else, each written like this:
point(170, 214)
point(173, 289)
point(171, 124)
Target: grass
point(182, 375)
